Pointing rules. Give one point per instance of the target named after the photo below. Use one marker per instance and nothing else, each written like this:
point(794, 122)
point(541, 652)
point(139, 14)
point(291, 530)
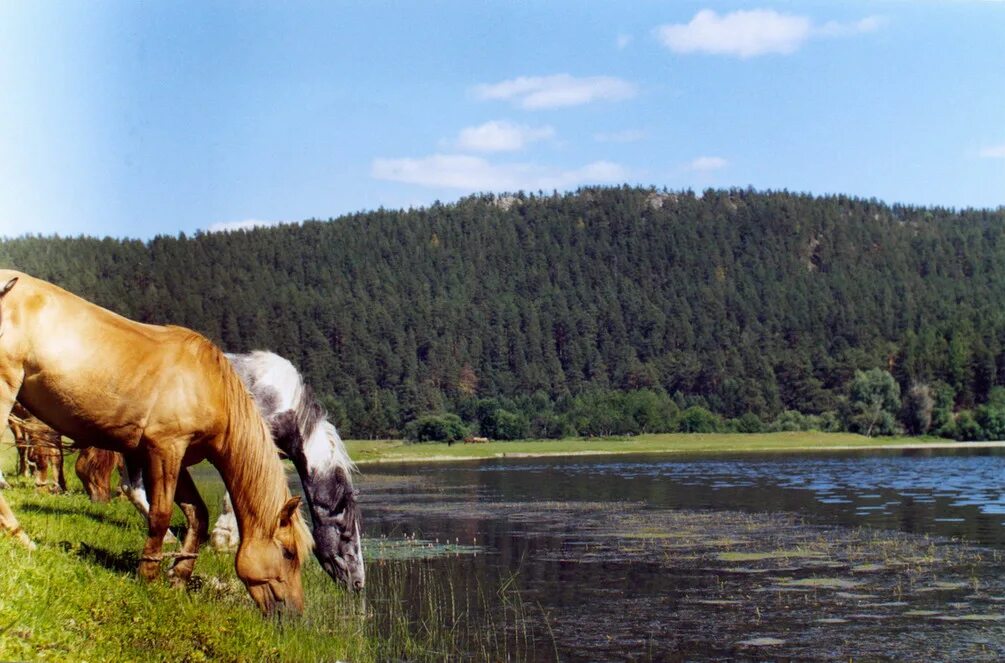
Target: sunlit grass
point(77, 598)
point(364, 451)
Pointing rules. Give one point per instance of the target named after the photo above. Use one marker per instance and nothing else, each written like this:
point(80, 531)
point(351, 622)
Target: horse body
point(301, 430)
point(166, 397)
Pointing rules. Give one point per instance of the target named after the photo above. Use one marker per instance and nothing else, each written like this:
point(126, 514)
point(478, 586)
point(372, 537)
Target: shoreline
point(671, 451)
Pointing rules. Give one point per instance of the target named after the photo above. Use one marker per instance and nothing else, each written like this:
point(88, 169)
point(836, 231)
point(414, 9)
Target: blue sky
point(136, 119)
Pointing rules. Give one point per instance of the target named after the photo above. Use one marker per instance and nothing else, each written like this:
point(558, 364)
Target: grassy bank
point(369, 451)
point(77, 597)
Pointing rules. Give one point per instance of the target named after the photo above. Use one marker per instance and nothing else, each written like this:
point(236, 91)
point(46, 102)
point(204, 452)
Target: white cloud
point(624, 41)
point(245, 224)
point(992, 152)
point(705, 164)
point(458, 171)
point(537, 92)
point(626, 136)
point(501, 136)
point(836, 29)
point(753, 32)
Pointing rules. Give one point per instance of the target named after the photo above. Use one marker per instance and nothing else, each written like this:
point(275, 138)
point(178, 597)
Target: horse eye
point(289, 555)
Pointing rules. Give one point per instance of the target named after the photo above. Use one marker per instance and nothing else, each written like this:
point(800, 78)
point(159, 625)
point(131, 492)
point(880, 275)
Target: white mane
point(278, 386)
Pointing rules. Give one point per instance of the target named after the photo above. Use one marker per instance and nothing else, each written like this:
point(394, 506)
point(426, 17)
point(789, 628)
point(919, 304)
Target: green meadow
point(77, 597)
point(373, 451)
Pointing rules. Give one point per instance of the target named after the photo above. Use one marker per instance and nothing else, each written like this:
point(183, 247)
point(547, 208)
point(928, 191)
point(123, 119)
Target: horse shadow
point(51, 510)
point(121, 562)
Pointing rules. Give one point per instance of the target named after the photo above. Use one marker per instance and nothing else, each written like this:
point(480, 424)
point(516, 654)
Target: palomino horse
point(302, 431)
point(166, 398)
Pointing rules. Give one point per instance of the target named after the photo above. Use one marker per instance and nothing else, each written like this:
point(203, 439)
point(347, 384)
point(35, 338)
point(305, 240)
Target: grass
point(77, 598)
point(369, 451)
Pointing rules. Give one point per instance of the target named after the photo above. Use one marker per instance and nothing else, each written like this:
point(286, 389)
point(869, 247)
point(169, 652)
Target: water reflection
point(629, 558)
point(956, 493)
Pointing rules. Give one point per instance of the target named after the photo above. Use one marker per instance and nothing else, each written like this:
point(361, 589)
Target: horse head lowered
point(301, 429)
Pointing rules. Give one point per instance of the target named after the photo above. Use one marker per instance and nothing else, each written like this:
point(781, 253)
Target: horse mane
point(259, 469)
point(311, 415)
point(283, 377)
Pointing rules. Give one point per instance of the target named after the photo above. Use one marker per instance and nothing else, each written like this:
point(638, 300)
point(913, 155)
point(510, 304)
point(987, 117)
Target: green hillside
point(736, 301)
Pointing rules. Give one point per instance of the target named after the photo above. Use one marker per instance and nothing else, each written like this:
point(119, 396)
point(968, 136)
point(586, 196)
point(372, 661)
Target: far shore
point(366, 452)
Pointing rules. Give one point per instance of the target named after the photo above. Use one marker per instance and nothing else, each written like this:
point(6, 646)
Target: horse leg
point(24, 462)
point(191, 504)
point(22, 458)
point(225, 534)
point(161, 478)
point(60, 476)
point(9, 523)
point(10, 384)
point(41, 472)
point(131, 481)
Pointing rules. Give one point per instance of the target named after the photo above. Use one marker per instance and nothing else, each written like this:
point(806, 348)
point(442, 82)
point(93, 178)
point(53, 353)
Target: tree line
point(604, 311)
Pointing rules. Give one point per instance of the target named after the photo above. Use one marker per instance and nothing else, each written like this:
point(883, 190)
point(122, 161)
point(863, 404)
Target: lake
point(865, 555)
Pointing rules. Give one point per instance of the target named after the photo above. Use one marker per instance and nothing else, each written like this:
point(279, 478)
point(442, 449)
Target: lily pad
point(823, 583)
point(761, 642)
point(756, 557)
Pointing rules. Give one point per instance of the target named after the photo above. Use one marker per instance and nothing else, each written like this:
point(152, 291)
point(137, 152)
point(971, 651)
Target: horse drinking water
point(166, 398)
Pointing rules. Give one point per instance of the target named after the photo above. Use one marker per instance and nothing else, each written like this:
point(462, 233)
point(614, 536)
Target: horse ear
point(8, 286)
point(286, 513)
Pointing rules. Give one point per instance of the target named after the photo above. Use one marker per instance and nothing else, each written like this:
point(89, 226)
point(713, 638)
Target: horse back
point(93, 374)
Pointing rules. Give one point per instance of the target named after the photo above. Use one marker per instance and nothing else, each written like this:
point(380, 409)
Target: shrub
point(436, 428)
point(697, 419)
point(967, 429)
point(504, 425)
point(749, 423)
point(791, 420)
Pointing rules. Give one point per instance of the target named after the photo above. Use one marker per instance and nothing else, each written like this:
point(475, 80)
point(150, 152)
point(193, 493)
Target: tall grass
point(77, 598)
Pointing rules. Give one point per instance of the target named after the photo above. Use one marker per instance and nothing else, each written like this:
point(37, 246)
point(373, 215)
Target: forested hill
point(737, 300)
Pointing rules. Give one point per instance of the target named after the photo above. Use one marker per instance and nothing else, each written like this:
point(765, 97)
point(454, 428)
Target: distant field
point(370, 451)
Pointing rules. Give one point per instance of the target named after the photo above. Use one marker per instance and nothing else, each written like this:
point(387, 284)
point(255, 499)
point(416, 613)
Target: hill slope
point(742, 300)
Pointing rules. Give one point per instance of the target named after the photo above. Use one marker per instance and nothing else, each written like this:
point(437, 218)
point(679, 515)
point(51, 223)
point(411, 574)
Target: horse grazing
point(39, 450)
point(166, 398)
point(301, 430)
point(22, 440)
point(94, 468)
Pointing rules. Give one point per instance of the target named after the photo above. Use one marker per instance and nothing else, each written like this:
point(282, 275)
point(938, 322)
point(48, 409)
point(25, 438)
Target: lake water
point(864, 555)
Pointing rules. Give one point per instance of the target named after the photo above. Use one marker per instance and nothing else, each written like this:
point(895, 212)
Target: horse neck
point(324, 469)
point(256, 517)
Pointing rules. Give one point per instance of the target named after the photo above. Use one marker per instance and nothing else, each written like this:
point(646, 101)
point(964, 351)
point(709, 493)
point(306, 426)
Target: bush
point(791, 420)
point(436, 428)
point(504, 425)
point(874, 400)
point(551, 426)
point(749, 423)
point(967, 429)
point(697, 419)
